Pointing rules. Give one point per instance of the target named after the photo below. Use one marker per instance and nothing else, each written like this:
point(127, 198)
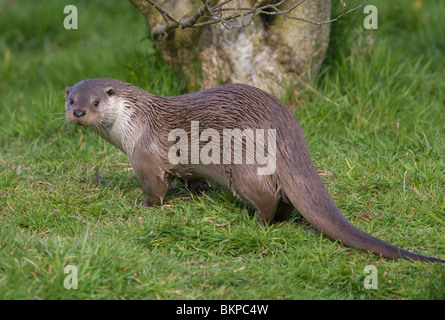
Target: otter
point(180, 137)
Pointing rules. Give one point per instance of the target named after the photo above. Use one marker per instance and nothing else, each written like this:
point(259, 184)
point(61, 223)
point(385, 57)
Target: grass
point(380, 145)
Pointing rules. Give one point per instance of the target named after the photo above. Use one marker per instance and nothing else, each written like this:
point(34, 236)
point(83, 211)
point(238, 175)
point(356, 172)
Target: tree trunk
point(271, 51)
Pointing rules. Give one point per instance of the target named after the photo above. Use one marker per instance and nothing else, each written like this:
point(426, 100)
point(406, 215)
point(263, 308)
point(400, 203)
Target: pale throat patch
point(123, 134)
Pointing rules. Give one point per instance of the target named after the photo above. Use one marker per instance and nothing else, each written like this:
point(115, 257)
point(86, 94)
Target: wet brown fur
point(147, 120)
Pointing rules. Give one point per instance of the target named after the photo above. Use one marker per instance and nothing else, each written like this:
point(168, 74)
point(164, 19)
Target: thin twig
point(220, 13)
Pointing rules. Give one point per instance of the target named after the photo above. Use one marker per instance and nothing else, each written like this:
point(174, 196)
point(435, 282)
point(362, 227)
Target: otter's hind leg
point(265, 203)
point(259, 191)
point(270, 208)
point(278, 212)
point(283, 212)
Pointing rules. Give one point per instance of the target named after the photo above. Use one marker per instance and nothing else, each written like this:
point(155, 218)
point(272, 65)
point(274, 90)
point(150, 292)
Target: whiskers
point(101, 130)
point(60, 123)
point(57, 123)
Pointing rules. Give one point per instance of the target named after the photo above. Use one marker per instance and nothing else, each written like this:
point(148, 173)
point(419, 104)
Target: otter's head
point(91, 103)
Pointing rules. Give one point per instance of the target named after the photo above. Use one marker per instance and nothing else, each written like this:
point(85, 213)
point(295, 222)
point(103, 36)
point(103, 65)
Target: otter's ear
point(67, 91)
point(110, 91)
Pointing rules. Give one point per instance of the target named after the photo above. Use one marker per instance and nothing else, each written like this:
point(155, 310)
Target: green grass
point(381, 144)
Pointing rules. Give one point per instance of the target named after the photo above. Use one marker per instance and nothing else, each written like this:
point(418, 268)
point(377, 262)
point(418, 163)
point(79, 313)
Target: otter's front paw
point(151, 201)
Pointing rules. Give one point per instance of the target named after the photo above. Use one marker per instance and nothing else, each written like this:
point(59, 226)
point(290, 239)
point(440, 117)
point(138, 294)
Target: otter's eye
point(71, 101)
point(96, 103)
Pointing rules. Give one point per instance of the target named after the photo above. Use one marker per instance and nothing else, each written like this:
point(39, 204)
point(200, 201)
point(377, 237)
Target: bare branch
point(328, 21)
point(163, 12)
point(221, 12)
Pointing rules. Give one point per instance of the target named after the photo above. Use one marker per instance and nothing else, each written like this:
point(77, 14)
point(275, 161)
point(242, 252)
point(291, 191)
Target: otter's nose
point(79, 113)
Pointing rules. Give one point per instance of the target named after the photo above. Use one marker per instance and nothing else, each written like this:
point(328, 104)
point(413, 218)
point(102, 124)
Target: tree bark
point(271, 51)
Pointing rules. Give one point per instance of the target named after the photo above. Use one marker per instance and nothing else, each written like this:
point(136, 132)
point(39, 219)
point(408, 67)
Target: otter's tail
point(308, 194)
